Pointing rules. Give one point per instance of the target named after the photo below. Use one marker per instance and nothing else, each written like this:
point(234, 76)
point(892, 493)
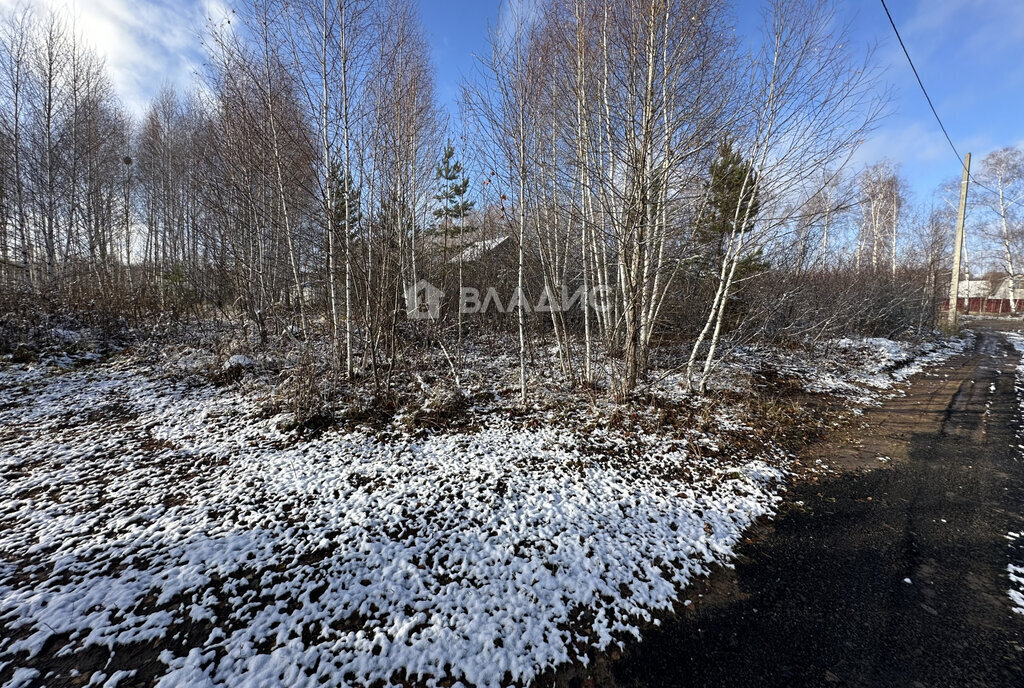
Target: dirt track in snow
point(820, 596)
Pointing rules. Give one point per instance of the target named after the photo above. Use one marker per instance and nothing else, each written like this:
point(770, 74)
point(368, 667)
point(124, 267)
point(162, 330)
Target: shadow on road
point(822, 598)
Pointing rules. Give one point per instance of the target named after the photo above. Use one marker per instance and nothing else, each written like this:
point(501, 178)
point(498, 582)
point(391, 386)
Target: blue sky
point(970, 54)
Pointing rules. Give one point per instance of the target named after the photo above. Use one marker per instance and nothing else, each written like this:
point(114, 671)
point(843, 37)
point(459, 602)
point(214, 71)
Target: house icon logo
point(423, 301)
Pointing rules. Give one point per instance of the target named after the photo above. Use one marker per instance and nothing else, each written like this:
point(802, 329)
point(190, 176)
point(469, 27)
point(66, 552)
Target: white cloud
point(515, 15)
point(968, 24)
point(967, 54)
point(914, 142)
point(145, 43)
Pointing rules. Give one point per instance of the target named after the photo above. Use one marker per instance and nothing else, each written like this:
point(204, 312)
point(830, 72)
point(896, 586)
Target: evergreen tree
point(355, 214)
point(733, 201)
point(452, 193)
point(733, 206)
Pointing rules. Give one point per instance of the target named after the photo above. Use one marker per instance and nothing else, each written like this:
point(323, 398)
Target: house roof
point(480, 249)
point(975, 289)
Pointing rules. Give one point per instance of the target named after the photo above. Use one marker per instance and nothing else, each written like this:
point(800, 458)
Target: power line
point(921, 84)
point(932, 106)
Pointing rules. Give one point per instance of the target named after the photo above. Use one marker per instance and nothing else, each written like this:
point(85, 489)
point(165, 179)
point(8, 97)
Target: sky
point(970, 55)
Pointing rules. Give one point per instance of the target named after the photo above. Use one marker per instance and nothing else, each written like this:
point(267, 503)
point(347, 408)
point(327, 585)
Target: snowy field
point(139, 513)
point(1015, 569)
point(1016, 574)
point(863, 370)
point(168, 532)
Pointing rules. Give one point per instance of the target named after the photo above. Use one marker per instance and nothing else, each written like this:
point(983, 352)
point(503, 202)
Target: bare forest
point(628, 364)
point(621, 175)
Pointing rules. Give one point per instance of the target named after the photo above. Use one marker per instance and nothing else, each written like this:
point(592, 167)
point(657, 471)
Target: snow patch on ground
point(139, 512)
point(239, 361)
point(864, 368)
point(1015, 569)
point(860, 369)
point(1016, 574)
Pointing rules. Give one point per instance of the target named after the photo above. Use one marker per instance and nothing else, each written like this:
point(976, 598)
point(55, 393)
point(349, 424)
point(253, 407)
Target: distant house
point(974, 289)
point(309, 293)
point(990, 295)
point(1002, 289)
point(496, 248)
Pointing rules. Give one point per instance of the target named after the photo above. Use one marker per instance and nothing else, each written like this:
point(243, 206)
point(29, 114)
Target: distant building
point(989, 295)
point(496, 248)
point(1002, 289)
point(975, 289)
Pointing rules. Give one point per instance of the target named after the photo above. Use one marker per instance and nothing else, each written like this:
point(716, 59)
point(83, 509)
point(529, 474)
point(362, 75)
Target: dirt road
point(890, 573)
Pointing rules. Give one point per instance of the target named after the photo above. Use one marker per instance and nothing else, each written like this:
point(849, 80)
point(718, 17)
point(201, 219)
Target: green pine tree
point(451, 196)
point(732, 187)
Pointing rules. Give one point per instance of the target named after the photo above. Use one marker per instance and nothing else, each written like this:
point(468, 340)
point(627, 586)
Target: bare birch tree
point(810, 103)
point(1003, 171)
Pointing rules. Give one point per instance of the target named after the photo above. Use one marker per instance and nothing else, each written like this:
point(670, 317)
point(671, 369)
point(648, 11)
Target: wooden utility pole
point(958, 246)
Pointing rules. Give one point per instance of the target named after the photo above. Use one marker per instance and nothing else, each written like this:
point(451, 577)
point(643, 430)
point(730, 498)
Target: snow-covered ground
point(138, 512)
point(1015, 569)
point(142, 516)
point(1016, 574)
point(866, 369)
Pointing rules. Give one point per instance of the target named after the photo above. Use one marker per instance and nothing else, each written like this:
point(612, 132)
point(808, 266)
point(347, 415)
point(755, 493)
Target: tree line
point(634, 159)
